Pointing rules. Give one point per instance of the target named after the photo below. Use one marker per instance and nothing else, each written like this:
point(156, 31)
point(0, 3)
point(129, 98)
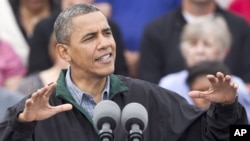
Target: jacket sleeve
point(219, 118)
point(13, 130)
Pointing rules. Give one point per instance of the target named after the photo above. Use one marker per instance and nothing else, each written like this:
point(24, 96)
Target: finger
point(236, 86)
point(51, 87)
point(220, 76)
point(228, 79)
point(62, 108)
point(38, 94)
point(212, 79)
point(28, 103)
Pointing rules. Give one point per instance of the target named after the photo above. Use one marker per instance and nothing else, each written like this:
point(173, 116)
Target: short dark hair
point(205, 68)
point(63, 24)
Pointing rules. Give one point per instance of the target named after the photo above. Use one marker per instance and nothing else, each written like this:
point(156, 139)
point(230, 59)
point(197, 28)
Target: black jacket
point(170, 117)
point(160, 54)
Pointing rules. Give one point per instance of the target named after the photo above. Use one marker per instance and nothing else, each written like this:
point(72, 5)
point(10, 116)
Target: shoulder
point(145, 88)
point(164, 20)
point(232, 19)
point(48, 22)
point(170, 78)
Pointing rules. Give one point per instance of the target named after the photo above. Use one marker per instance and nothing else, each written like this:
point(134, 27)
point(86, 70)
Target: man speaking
point(63, 110)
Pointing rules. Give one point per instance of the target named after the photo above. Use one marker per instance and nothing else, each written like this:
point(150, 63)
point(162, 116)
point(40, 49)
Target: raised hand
point(222, 89)
point(38, 108)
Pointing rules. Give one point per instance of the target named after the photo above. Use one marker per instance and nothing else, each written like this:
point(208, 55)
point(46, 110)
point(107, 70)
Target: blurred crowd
point(171, 43)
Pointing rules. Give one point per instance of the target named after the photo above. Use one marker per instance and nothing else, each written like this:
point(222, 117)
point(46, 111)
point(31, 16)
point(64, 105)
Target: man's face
point(92, 47)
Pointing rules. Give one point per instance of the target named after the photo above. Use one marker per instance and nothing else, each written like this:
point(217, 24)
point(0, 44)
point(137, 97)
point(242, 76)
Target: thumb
point(62, 108)
point(196, 94)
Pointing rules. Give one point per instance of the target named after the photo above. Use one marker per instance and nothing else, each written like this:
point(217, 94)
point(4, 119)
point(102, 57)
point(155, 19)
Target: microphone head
point(106, 111)
point(134, 113)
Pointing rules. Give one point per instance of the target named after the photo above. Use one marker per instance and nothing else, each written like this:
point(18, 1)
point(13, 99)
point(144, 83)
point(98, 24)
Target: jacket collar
point(116, 87)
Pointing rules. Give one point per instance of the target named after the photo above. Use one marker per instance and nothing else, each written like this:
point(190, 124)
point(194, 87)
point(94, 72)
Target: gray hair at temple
point(213, 26)
point(63, 25)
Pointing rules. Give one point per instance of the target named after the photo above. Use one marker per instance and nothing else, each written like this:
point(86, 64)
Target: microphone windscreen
point(106, 111)
point(134, 113)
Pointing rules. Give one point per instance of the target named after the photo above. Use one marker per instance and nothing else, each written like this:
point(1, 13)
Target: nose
point(199, 47)
point(103, 42)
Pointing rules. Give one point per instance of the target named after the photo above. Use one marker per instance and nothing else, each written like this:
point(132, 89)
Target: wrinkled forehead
point(91, 21)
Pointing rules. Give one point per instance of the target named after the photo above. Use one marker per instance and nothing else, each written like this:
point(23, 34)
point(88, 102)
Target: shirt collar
point(77, 93)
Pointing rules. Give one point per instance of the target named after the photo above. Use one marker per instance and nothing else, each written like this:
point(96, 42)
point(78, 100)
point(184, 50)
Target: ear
point(63, 52)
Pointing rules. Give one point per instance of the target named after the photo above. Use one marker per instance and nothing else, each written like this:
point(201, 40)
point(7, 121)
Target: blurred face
point(67, 3)
point(35, 5)
point(201, 84)
point(92, 47)
point(203, 49)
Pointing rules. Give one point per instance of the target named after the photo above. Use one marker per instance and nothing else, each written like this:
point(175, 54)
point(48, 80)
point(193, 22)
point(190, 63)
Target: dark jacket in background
point(170, 117)
point(160, 48)
point(39, 58)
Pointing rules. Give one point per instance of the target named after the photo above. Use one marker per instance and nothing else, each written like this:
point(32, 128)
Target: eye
point(107, 33)
point(193, 42)
point(88, 37)
point(208, 44)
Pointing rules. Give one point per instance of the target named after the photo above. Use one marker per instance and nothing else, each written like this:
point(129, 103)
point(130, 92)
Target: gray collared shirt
point(85, 100)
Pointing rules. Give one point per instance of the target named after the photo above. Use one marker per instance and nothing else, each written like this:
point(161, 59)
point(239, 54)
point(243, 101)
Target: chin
point(107, 71)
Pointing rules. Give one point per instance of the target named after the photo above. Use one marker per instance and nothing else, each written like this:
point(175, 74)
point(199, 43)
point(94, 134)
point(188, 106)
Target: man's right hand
point(38, 108)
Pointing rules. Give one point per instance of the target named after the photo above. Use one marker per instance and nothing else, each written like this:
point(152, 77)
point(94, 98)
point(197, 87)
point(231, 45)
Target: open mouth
point(104, 57)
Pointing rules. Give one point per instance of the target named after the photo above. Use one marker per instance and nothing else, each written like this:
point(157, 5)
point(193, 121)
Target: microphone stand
point(105, 134)
point(135, 134)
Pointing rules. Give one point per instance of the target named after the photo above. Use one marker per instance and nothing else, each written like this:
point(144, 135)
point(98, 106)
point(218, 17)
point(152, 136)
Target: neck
point(198, 8)
point(90, 84)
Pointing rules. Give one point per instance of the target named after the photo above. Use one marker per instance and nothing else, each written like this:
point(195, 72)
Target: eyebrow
point(94, 33)
point(106, 29)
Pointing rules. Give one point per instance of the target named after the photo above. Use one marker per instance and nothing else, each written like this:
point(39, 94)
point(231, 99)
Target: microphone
point(106, 117)
point(134, 120)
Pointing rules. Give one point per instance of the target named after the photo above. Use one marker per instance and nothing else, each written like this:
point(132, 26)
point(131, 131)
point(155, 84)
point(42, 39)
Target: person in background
point(139, 12)
point(65, 108)
point(8, 99)
point(37, 80)
point(160, 51)
point(12, 70)
point(18, 19)
point(202, 41)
